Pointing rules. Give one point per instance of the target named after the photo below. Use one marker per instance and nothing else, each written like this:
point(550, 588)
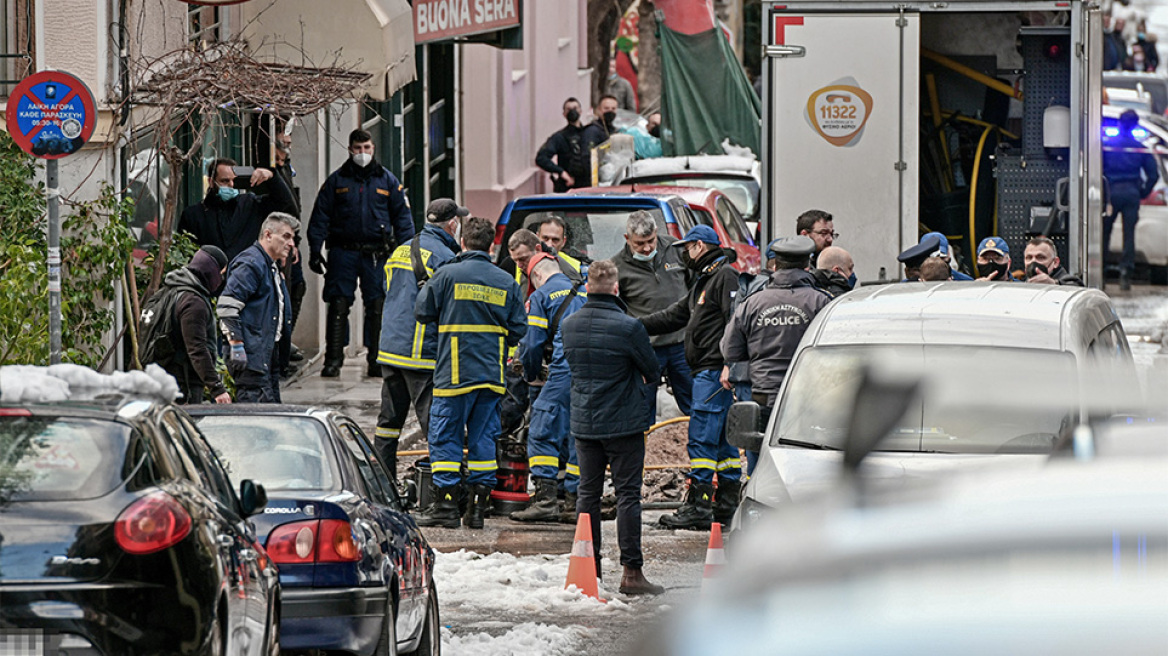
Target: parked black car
point(356, 573)
point(121, 534)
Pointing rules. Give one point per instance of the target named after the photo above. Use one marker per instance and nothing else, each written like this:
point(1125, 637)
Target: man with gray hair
point(255, 311)
point(652, 277)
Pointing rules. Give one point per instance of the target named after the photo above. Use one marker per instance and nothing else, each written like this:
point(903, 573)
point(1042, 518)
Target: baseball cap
point(699, 233)
point(995, 244)
point(441, 210)
point(944, 247)
point(790, 248)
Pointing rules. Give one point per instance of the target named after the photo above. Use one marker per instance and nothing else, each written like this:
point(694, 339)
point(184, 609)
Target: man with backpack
point(408, 349)
point(178, 326)
point(555, 298)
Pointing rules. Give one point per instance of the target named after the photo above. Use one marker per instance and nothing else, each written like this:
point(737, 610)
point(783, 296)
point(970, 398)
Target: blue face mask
point(641, 257)
point(852, 281)
point(227, 193)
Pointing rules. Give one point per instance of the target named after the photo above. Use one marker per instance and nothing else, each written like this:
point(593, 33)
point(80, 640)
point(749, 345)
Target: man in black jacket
point(229, 218)
point(193, 365)
point(1043, 266)
point(1132, 174)
point(652, 277)
point(571, 146)
point(610, 359)
point(704, 313)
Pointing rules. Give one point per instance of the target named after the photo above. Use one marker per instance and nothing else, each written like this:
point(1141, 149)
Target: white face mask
point(362, 159)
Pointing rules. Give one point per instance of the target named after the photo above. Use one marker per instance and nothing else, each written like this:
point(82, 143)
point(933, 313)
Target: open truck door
point(840, 132)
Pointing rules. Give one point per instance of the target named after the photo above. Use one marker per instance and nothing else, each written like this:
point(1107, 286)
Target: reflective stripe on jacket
point(479, 314)
point(542, 306)
point(404, 341)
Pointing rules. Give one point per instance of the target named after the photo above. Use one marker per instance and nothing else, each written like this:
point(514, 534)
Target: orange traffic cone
point(582, 562)
point(715, 555)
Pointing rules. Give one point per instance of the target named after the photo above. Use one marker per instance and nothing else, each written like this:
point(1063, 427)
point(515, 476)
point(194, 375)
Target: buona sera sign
point(435, 20)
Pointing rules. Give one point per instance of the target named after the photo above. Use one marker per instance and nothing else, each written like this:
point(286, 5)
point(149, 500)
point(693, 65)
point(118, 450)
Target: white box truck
point(968, 118)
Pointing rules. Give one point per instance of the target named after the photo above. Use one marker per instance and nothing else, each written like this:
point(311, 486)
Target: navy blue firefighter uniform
point(550, 419)
point(479, 313)
point(408, 347)
point(359, 214)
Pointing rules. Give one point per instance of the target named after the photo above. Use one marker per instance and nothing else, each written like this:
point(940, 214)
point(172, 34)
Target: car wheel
point(430, 643)
point(387, 645)
point(273, 632)
point(215, 646)
point(1158, 275)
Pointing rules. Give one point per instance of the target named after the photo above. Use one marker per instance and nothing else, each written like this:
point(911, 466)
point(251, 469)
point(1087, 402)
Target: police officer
point(704, 313)
point(408, 348)
point(572, 149)
point(914, 256)
point(359, 214)
point(479, 314)
point(1131, 173)
point(554, 299)
point(765, 329)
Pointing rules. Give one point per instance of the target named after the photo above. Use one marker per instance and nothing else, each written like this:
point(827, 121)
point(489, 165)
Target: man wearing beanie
point(407, 348)
point(192, 337)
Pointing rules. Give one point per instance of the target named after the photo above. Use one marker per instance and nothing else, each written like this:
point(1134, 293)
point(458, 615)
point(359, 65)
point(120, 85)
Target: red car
point(711, 207)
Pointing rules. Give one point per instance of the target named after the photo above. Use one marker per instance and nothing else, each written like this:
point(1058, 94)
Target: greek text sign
point(51, 114)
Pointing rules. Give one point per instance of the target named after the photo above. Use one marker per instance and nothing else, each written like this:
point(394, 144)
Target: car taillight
point(500, 228)
point(152, 523)
point(317, 541)
point(15, 412)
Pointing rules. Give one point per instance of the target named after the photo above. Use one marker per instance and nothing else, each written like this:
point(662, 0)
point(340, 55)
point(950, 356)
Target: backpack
point(157, 324)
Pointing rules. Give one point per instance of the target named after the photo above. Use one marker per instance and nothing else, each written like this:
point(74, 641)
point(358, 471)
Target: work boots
point(372, 335)
point(568, 514)
point(697, 512)
point(545, 507)
point(634, 583)
point(335, 331)
point(476, 507)
point(444, 509)
point(726, 500)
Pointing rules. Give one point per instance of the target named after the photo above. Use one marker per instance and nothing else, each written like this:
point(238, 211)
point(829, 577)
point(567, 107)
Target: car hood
point(785, 474)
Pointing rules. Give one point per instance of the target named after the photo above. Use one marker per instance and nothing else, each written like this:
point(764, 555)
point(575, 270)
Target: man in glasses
point(817, 225)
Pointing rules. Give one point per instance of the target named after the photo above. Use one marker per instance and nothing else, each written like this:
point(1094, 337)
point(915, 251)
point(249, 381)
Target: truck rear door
point(840, 127)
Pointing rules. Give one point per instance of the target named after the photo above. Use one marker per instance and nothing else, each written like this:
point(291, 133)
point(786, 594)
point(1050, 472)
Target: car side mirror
point(408, 492)
point(742, 426)
point(253, 498)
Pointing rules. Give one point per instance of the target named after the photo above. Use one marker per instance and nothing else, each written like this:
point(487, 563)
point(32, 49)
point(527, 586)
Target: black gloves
point(317, 263)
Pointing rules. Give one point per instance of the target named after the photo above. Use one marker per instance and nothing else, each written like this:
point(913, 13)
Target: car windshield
point(972, 400)
point(61, 459)
point(281, 452)
point(597, 233)
point(742, 192)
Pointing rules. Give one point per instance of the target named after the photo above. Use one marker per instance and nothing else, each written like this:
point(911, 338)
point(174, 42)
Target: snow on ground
point(526, 638)
point(503, 586)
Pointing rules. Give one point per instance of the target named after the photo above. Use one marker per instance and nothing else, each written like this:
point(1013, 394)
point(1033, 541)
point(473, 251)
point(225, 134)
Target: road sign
point(51, 114)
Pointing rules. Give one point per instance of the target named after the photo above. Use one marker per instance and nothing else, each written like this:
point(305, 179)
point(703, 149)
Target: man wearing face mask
point(571, 147)
point(360, 213)
point(229, 218)
point(652, 277)
point(993, 260)
point(408, 348)
point(704, 313)
point(836, 272)
point(605, 113)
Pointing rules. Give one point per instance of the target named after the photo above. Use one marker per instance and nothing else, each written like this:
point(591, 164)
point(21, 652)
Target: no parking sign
point(51, 114)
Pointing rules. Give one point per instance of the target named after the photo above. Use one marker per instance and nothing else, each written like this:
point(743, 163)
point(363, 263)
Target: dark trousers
point(400, 388)
point(671, 359)
point(258, 386)
point(1125, 200)
point(626, 456)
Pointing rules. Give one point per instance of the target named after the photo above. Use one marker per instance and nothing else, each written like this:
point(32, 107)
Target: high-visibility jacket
point(406, 342)
point(542, 306)
point(479, 314)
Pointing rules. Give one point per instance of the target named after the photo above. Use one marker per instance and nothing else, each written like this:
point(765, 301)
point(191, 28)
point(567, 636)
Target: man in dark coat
point(571, 147)
point(193, 364)
point(835, 272)
point(1043, 266)
point(1132, 174)
point(704, 313)
point(610, 360)
point(229, 218)
point(361, 213)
